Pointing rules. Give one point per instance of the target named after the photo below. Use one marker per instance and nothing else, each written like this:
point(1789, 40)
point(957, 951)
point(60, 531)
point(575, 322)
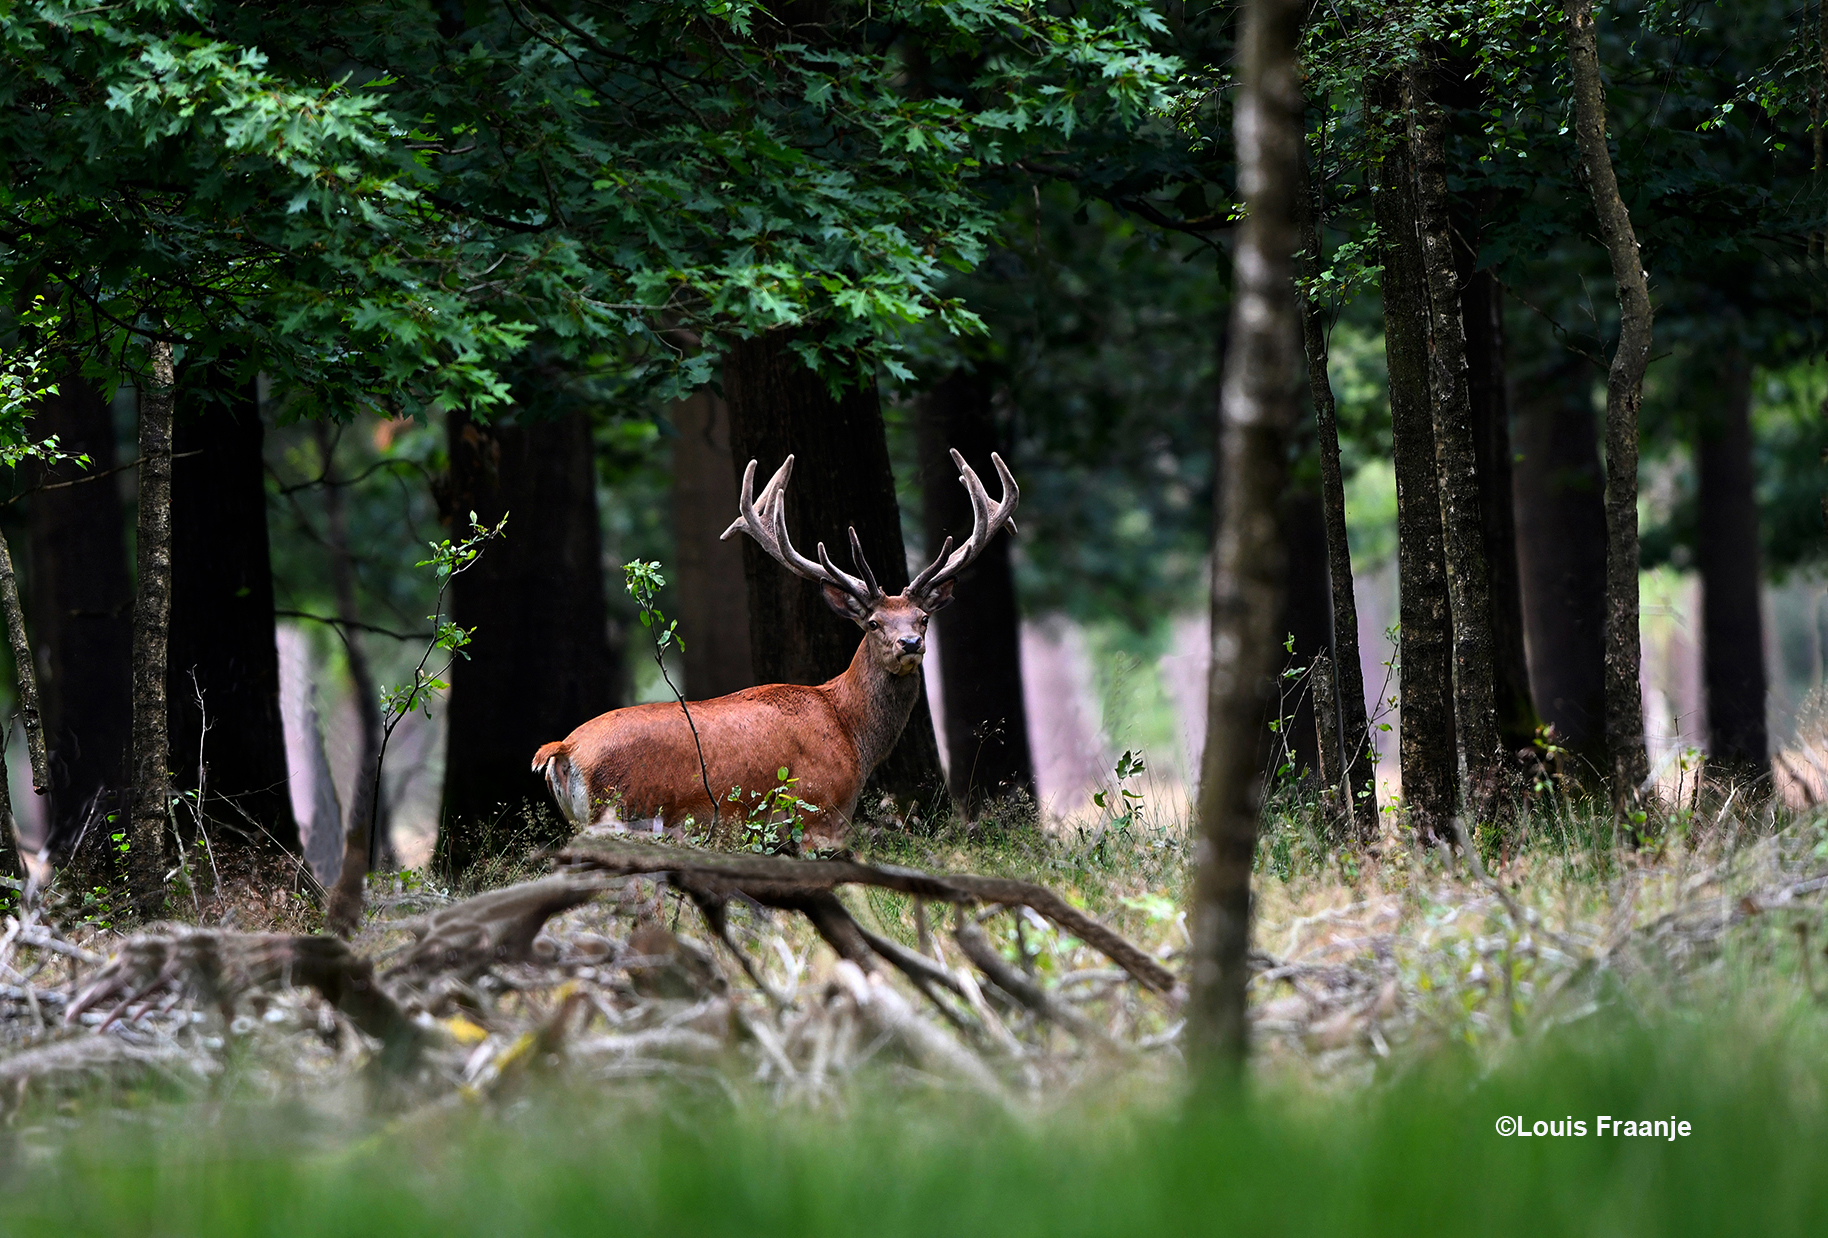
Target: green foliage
point(775, 818)
point(449, 559)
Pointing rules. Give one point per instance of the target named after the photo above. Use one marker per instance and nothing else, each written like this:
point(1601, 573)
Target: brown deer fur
point(641, 764)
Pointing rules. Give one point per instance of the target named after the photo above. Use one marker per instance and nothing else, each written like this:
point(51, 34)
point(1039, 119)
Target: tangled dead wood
point(488, 989)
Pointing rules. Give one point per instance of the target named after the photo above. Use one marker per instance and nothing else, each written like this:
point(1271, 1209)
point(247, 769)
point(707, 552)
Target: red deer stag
point(641, 763)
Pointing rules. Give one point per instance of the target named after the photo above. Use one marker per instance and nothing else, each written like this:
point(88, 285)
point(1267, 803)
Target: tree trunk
point(1258, 412)
point(151, 624)
point(1561, 556)
point(540, 661)
point(366, 841)
point(80, 599)
point(707, 574)
point(221, 640)
point(1482, 306)
point(1348, 673)
point(842, 477)
point(1307, 617)
point(1727, 554)
point(1456, 463)
point(1429, 760)
point(1629, 764)
point(25, 670)
point(980, 646)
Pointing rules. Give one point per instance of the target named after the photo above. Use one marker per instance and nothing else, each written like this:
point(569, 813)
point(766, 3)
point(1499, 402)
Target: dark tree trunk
point(707, 574)
point(1430, 764)
point(222, 642)
point(80, 601)
point(1561, 556)
point(151, 631)
point(841, 478)
point(1727, 554)
point(1456, 462)
point(1353, 727)
point(980, 645)
point(1482, 304)
point(540, 662)
point(1258, 412)
point(1628, 762)
point(1306, 616)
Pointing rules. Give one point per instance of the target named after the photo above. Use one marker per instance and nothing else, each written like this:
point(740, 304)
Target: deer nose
point(910, 644)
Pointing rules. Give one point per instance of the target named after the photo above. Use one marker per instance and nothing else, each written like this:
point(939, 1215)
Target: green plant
point(770, 813)
point(644, 582)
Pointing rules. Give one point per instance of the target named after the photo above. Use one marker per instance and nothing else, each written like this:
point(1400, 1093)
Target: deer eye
point(874, 625)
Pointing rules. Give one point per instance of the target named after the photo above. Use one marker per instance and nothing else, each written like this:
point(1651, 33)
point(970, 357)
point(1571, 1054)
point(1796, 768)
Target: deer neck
point(874, 705)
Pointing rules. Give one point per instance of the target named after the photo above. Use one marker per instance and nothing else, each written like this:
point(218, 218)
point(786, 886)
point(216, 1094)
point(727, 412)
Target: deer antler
point(986, 519)
point(765, 519)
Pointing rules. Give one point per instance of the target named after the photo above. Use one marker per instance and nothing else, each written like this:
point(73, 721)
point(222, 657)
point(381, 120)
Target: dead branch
point(496, 927)
point(794, 884)
point(217, 968)
point(984, 956)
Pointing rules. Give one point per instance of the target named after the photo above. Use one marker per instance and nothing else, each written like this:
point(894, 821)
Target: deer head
point(894, 625)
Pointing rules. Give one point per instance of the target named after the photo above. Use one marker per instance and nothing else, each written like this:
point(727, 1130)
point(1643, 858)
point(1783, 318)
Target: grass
point(1481, 990)
point(1416, 1153)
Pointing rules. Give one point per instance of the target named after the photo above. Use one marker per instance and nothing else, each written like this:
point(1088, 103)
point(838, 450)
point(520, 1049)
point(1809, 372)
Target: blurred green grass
point(1415, 1153)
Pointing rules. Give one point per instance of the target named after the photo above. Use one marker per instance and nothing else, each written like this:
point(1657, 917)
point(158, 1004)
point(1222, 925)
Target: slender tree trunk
point(1561, 556)
point(1727, 553)
point(1456, 463)
point(842, 477)
point(1258, 412)
point(365, 831)
point(1628, 761)
point(1353, 727)
point(25, 670)
point(708, 573)
point(980, 646)
point(1482, 304)
point(151, 622)
point(221, 638)
point(540, 661)
point(1429, 760)
point(80, 599)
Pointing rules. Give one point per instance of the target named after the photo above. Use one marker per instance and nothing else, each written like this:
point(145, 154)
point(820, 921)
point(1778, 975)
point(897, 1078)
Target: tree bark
point(1429, 761)
point(1258, 412)
point(1482, 306)
point(708, 574)
point(842, 477)
point(1353, 726)
point(151, 624)
point(221, 640)
point(1727, 554)
point(1629, 764)
point(24, 667)
point(1307, 617)
point(80, 598)
point(540, 663)
point(1456, 464)
point(1561, 556)
point(980, 646)
point(366, 841)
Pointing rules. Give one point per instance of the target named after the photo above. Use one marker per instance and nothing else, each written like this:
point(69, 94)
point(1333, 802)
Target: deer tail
point(566, 783)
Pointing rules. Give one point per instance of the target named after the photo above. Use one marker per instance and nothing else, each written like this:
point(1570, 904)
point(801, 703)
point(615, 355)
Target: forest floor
point(622, 1063)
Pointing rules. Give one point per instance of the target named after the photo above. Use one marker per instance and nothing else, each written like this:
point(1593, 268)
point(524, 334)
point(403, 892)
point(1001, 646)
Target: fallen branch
point(796, 884)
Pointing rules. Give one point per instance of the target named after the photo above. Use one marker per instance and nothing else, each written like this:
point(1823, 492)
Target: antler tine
point(986, 519)
point(863, 564)
point(754, 516)
point(864, 592)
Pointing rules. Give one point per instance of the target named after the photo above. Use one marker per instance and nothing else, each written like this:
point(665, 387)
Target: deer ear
point(938, 597)
point(844, 603)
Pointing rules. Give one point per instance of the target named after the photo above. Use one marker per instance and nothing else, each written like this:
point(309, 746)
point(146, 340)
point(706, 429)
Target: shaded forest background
point(1076, 325)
